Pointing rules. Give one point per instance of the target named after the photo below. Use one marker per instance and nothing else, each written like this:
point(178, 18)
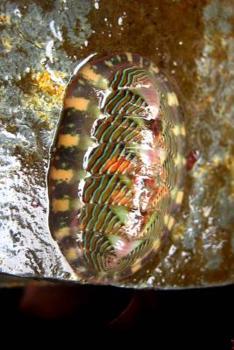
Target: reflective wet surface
point(40, 46)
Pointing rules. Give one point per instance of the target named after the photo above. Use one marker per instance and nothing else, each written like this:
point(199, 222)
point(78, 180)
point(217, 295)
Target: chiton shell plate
point(116, 171)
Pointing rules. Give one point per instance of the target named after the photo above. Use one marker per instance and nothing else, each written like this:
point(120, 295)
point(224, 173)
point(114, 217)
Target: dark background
point(183, 319)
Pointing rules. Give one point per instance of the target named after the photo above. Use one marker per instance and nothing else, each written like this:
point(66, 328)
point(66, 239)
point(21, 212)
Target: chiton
point(117, 165)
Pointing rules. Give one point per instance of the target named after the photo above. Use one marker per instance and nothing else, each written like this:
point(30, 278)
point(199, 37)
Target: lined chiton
point(117, 167)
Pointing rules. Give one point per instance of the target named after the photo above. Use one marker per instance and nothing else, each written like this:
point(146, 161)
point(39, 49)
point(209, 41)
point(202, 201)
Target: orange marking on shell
point(79, 103)
point(71, 254)
point(88, 73)
point(124, 201)
point(119, 165)
point(112, 169)
point(114, 164)
point(109, 162)
point(124, 164)
point(60, 205)
point(62, 232)
point(118, 197)
point(61, 174)
point(68, 140)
